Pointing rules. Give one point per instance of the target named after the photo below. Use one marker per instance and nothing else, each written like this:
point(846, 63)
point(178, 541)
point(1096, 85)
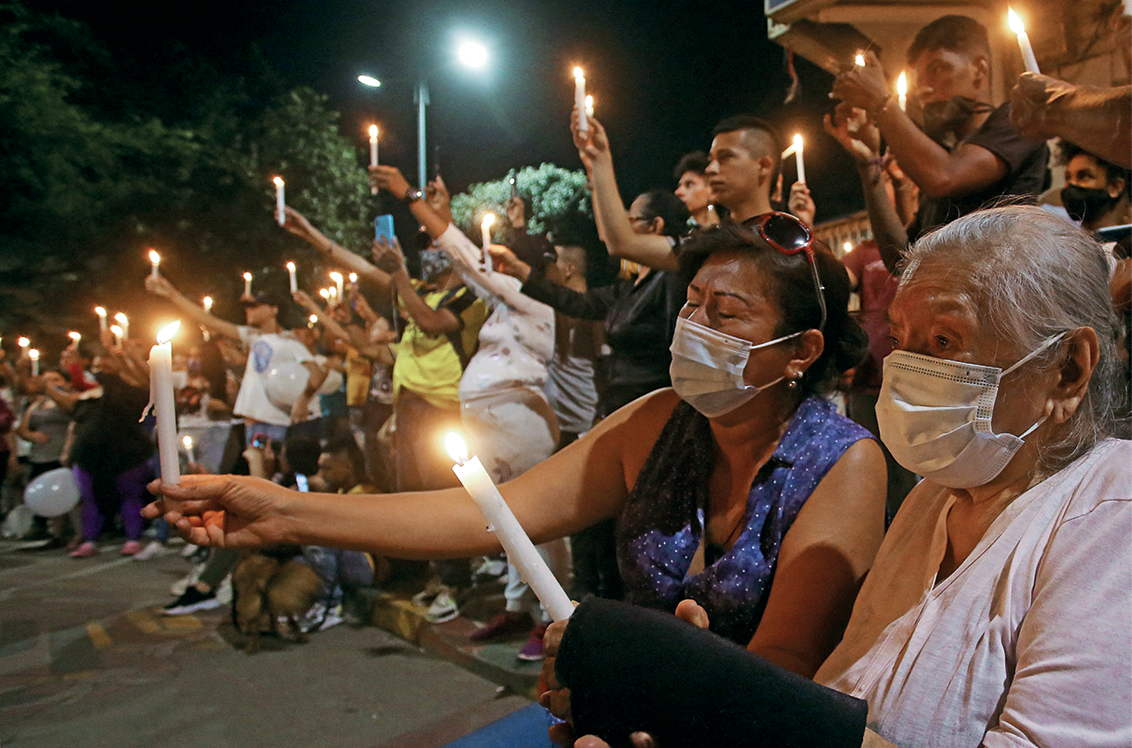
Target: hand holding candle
point(1019, 28)
point(164, 406)
point(580, 99)
point(521, 551)
point(280, 205)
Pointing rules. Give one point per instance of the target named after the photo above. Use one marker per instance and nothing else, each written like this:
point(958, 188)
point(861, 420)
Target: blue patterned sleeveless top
point(661, 525)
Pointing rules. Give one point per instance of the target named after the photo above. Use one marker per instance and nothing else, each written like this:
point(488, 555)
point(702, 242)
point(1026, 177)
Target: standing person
point(269, 346)
point(693, 189)
point(45, 426)
point(967, 154)
point(110, 452)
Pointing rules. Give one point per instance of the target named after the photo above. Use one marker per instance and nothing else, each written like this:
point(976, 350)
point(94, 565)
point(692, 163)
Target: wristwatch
point(411, 196)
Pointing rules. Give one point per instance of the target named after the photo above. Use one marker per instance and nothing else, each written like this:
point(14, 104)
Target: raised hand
point(801, 204)
point(303, 299)
point(388, 178)
point(159, 286)
point(505, 261)
point(862, 87)
point(388, 255)
point(1031, 104)
point(517, 212)
point(854, 132)
point(592, 143)
point(297, 224)
point(226, 511)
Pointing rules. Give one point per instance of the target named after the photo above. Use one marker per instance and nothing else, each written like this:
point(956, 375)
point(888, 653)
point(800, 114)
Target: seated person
point(740, 487)
point(996, 613)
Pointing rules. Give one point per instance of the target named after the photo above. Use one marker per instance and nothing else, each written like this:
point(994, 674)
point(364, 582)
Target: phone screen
point(301, 482)
point(383, 228)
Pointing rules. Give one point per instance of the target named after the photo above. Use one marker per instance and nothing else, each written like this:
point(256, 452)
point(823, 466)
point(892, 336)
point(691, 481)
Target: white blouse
point(1027, 643)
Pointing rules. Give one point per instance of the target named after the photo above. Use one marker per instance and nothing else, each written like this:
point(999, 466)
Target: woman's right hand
point(297, 224)
point(226, 511)
point(505, 261)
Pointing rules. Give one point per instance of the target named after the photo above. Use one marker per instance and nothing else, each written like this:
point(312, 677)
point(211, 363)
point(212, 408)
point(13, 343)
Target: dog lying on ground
point(271, 591)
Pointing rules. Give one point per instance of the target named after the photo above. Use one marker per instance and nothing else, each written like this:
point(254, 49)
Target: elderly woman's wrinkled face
point(934, 315)
point(729, 294)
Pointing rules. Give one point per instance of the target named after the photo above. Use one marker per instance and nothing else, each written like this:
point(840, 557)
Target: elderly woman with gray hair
point(997, 610)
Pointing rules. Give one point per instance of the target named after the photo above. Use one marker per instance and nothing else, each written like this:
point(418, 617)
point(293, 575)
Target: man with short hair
point(966, 156)
point(743, 166)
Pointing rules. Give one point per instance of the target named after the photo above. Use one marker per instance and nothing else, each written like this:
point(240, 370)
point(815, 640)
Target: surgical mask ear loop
point(1045, 344)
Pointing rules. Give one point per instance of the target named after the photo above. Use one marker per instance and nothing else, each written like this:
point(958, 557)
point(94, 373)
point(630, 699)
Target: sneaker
point(489, 570)
point(189, 550)
point(192, 601)
point(179, 587)
point(131, 548)
point(333, 618)
point(503, 625)
point(152, 550)
point(86, 550)
point(429, 593)
point(312, 620)
point(443, 608)
point(532, 650)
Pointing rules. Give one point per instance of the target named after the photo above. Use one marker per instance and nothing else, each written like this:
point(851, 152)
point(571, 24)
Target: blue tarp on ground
point(525, 728)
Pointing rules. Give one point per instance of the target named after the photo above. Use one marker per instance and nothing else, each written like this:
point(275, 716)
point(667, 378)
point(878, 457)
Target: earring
point(793, 383)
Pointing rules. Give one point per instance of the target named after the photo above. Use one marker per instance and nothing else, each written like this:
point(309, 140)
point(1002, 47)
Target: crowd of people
point(940, 554)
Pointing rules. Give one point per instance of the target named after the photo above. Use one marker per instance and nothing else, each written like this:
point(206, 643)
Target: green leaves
point(559, 201)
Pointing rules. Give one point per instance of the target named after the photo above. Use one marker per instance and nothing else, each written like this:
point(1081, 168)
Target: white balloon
point(285, 384)
point(53, 493)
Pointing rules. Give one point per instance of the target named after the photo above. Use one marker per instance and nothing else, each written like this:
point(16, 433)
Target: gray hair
point(1033, 275)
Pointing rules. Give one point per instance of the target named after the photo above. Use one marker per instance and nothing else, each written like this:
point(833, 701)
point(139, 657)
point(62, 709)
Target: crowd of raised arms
point(787, 522)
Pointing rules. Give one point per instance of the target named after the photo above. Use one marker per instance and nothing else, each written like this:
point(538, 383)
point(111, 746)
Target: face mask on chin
point(943, 119)
point(433, 263)
point(1084, 203)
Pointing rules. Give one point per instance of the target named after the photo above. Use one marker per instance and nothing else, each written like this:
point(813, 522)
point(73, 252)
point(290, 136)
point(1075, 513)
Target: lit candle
point(580, 99)
point(294, 279)
point(485, 228)
point(75, 336)
point(589, 105)
point(339, 283)
point(187, 441)
point(33, 354)
point(353, 279)
point(101, 318)
point(902, 91)
point(118, 335)
point(324, 293)
point(373, 151)
point(521, 551)
point(164, 405)
point(313, 320)
point(1018, 28)
point(124, 321)
point(859, 60)
point(154, 260)
point(247, 284)
point(847, 247)
point(23, 342)
point(206, 302)
point(332, 295)
point(798, 159)
point(280, 215)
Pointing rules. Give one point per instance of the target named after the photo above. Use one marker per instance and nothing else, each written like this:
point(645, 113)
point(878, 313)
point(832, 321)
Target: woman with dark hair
point(740, 487)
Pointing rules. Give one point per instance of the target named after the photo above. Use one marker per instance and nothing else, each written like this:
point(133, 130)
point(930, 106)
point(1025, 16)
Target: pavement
point(87, 659)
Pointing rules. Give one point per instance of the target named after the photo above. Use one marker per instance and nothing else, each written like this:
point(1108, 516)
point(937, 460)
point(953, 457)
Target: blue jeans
point(338, 569)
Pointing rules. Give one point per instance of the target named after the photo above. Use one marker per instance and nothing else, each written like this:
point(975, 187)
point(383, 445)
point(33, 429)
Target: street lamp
point(471, 54)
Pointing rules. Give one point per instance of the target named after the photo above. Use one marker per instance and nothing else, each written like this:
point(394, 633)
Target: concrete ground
point(87, 660)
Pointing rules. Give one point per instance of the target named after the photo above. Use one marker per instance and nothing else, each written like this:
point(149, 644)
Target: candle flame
point(168, 332)
point(1014, 21)
point(373, 131)
point(848, 246)
point(314, 319)
point(154, 257)
point(859, 60)
point(333, 291)
point(75, 336)
point(33, 354)
point(23, 342)
point(324, 293)
point(579, 75)
point(116, 330)
point(797, 142)
point(455, 447)
point(187, 441)
point(122, 318)
point(335, 276)
point(902, 84)
point(247, 276)
point(589, 105)
point(353, 277)
point(100, 311)
point(278, 181)
point(290, 266)
point(488, 220)
point(207, 301)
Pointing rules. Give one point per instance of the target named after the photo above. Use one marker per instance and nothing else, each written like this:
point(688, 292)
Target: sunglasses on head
point(790, 236)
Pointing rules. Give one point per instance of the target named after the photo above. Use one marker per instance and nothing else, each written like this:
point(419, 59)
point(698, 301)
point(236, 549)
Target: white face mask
point(707, 367)
point(935, 418)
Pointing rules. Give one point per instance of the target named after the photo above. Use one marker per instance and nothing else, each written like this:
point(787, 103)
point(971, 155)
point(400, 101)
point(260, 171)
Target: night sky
point(662, 74)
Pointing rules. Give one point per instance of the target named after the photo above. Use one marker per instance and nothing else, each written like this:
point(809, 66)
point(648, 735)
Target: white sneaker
point(313, 618)
point(224, 590)
point(443, 608)
point(429, 593)
point(178, 588)
point(154, 549)
point(333, 618)
point(189, 550)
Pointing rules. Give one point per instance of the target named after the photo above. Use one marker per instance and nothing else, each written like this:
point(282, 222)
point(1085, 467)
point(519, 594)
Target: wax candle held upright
point(124, 322)
point(187, 441)
point(118, 335)
point(247, 284)
point(280, 205)
point(1019, 28)
point(206, 302)
point(373, 151)
point(589, 105)
point(798, 159)
point(33, 354)
point(164, 405)
point(339, 284)
point(23, 342)
point(101, 318)
point(75, 336)
point(485, 229)
point(580, 99)
point(154, 260)
point(291, 275)
point(902, 91)
point(501, 520)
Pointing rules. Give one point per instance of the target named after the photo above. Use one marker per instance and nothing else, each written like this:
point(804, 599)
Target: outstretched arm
point(160, 286)
point(298, 225)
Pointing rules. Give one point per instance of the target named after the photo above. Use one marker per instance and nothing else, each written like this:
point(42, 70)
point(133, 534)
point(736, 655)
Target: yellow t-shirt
point(357, 378)
point(428, 365)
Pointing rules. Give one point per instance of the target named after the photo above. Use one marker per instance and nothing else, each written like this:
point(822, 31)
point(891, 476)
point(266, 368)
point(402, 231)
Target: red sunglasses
point(790, 236)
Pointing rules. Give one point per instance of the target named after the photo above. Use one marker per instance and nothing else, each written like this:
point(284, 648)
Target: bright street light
point(472, 54)
point(369, 80)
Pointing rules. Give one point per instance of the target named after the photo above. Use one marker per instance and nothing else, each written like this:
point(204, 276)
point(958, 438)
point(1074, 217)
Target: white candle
point(23, 342)
point(324, 293)
point(188, 442)
point(164, 405)
point(118, 336)
point(339, 284)
point(521, 551)
point(902, 91)
point(373, 151)
point(332, 295)
point(589, 105)
point(798, 159)
point(580, 99)
point(206, 302)
point(75, 336)
point(124, 321)
point(294, 279)
point(154, 260)
point(485, 229)
point(33, 354)
point(859, 60)
point(101, 318)
point(247, 284)
point(353, 279)
point(280, 214)
point(1018, 28)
